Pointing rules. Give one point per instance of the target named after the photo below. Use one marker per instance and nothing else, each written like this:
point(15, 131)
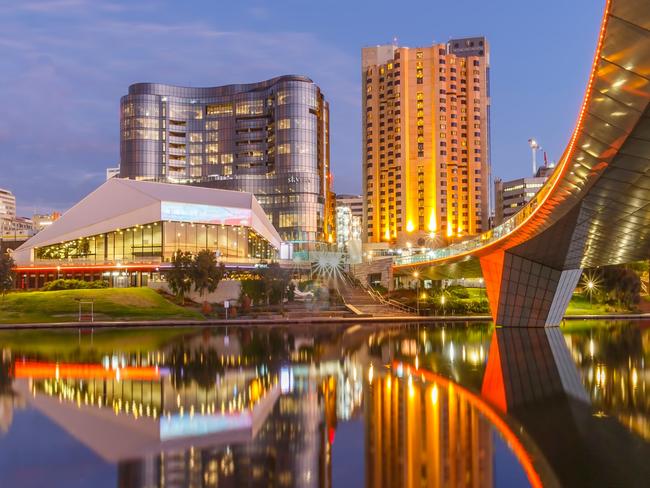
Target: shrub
point(303, 286)
point(63, 284)
point(457, 291)
point(98, 284)
point(379, 288)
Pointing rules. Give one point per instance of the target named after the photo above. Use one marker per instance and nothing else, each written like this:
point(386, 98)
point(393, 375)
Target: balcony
point(177, 151)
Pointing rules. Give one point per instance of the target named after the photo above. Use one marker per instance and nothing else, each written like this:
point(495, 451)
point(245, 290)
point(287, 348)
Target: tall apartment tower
point(269, 138)
point(426, 132)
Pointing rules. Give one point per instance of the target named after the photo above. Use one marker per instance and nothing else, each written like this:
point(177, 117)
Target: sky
point(64, 64)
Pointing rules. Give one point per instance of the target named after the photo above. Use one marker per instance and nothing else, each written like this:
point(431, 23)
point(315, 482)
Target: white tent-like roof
point(121, 203)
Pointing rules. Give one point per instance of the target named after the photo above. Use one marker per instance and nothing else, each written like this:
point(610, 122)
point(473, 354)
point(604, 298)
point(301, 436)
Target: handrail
point(390, 302)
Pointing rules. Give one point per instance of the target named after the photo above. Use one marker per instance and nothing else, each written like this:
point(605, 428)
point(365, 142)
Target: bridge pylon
point(525, 293)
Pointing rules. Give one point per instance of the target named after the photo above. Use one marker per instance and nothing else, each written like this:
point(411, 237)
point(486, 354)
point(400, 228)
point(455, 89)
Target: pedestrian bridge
point(595, 208)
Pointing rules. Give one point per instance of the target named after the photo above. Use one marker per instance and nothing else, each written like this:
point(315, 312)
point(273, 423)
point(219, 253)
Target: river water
point(376, 406)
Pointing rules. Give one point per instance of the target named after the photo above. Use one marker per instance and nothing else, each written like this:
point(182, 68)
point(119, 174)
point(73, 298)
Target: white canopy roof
point(121, 203)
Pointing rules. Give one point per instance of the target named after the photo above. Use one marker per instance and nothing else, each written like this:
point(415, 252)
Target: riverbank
point(572, 319)
point(109, 304)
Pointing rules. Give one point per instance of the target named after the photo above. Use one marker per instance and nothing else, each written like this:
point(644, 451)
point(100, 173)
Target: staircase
point(365, 302)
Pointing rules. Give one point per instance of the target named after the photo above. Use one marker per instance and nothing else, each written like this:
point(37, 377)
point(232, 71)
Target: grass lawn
point(579, 305)
point(109, 303)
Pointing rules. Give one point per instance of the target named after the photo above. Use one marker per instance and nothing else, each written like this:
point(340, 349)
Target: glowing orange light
point(409, 226)
point(488, 412)
point(38, 370)
point(432, 222)
point(557, 177)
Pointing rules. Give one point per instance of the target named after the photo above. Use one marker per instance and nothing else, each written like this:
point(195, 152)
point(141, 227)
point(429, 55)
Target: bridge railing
point(485, 238)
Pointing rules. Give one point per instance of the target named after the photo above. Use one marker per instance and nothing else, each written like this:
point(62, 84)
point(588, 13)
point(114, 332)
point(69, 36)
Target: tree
point(275, 280)
point(206, 272)
point(179, 276)
point(621, 285)
point(7, 273)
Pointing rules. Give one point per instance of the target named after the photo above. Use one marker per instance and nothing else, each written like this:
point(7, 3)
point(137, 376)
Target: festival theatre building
point(270, 139)
point(127, 231)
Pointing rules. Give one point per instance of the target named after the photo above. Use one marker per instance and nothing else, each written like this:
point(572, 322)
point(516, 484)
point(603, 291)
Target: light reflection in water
point(260, 407)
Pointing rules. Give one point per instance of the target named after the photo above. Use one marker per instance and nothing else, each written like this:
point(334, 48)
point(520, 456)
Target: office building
point(7, 205)
point(354, 202)
point(348, 234)
point(112, 172)
point(426, 141)
point(510, 196)
point(14, 230)
point(130, 229)
point(41, 221)
point(349, 218)
point(270, 139)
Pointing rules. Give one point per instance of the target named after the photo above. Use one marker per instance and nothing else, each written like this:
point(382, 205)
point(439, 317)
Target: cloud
point(60, 127)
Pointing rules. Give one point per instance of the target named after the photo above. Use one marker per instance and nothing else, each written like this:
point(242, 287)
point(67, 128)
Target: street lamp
point(417, 291)
point(590, 286)
point(58, 272)
point(442, 301)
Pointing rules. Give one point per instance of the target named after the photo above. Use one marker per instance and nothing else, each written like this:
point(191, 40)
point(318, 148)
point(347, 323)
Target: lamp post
point(416, 275)
point(590, 286)
point(442, 301)
point(58, 272)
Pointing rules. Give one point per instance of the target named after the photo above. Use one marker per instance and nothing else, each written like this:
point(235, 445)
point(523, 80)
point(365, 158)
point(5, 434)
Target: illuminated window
point(212, 124)
point(282, 97)
point(196, 137)
point(284, 124)
point(219, 109)
point(253, 107)
point(288, 219)
point(211, 148)
point(284, 148)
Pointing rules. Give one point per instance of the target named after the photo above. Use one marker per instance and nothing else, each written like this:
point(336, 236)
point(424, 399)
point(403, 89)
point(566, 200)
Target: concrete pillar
point(524, 293)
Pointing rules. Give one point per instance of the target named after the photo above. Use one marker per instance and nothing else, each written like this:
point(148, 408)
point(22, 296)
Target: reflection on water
point(425, 406)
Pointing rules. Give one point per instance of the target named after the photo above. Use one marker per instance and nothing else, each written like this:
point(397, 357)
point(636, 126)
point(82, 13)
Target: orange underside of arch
point(493, 387)
point(492, 267)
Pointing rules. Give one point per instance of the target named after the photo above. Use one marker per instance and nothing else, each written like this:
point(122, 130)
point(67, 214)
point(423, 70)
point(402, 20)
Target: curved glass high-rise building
point(269, 138)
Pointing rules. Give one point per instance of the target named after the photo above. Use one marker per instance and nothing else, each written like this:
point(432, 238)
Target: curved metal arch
point(595, 208)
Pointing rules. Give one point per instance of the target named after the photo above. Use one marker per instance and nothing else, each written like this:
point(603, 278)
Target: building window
point(219, 109)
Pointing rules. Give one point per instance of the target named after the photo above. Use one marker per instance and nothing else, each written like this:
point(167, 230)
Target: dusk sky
point(64, 64)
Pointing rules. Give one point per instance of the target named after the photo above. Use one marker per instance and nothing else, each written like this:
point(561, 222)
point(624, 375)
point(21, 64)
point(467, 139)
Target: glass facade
point(157, 242)
point(269, 138)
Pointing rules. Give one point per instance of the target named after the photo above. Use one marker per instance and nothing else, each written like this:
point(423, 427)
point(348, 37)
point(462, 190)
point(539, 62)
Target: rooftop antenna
point(534, 147)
